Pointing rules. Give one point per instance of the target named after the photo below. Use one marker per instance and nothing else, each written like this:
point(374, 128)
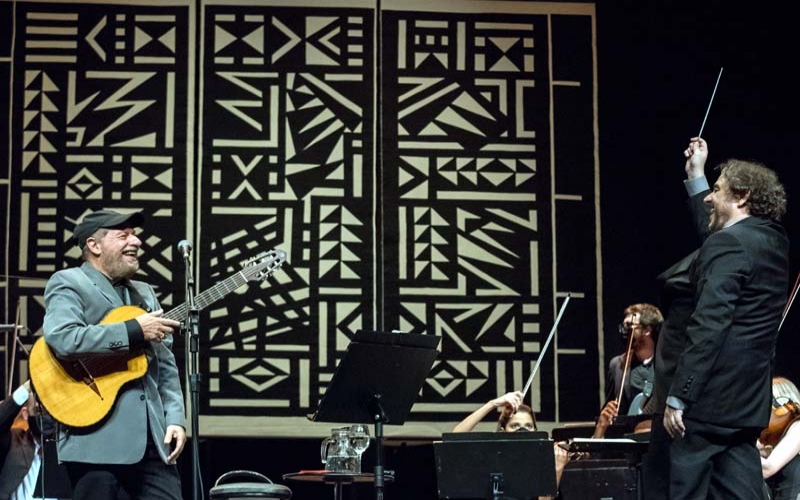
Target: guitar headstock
point(263, 265)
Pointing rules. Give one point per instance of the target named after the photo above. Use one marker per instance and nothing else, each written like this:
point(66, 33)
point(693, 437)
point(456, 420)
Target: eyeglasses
point(625, 328)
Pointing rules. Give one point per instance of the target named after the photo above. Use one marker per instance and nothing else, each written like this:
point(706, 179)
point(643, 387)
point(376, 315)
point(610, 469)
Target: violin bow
point(547, 343)
point(15, 342)
point(638, 318)
point(792, 296)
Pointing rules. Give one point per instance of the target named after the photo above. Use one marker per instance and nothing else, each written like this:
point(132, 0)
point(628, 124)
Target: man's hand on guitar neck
point(156, 328)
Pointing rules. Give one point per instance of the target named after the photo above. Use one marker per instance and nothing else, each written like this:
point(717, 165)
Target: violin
point(780, 419)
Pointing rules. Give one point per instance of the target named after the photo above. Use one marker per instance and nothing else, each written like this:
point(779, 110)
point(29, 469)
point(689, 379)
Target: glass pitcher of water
point(338, 454)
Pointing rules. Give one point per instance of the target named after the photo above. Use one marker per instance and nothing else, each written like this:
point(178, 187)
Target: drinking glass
point(359, 440)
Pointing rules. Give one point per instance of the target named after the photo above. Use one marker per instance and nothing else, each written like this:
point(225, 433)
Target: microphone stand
point(379, 416)
point(193, 332)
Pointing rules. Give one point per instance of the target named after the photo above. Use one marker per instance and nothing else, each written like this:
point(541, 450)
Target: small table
point(337, 479)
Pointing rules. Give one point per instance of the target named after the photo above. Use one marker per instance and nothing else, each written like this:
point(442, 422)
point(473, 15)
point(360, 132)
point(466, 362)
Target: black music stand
point(377, 382)
point(495, 466)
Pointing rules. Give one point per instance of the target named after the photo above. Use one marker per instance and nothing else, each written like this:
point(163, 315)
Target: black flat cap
point(107, 219)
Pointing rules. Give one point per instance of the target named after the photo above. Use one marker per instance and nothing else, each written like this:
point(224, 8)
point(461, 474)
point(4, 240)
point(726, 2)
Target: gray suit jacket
point(76, 301)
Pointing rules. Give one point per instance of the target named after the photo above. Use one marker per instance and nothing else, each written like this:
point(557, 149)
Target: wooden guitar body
point(79, 392)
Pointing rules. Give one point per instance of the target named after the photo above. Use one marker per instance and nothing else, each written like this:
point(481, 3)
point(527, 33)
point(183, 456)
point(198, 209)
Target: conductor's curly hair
point(764, 193)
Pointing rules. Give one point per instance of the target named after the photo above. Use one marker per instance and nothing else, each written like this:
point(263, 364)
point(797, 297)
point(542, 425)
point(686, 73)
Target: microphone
point(10, 328)
point(185, 247)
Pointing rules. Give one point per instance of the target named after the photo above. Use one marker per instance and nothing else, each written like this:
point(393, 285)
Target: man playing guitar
point(134, 446)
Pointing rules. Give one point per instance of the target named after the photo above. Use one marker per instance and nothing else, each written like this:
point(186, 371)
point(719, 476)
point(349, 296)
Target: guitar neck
point(209, 296)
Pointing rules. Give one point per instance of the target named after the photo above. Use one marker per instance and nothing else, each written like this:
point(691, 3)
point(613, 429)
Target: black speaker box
point(600, 480)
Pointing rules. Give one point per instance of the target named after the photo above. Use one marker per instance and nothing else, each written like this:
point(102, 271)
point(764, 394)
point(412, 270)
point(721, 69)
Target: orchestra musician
point(514, 417)
point(28, 458)
point(135, 446)
point(630, 376)
point(779, 443)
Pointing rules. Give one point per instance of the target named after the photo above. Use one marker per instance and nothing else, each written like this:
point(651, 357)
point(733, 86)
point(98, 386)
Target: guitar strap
point(130, 296)
point(122, 291)
point(135, 297)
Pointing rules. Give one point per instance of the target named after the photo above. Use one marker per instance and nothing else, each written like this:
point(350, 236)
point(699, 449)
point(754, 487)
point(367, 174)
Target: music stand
point(377, 381)
point(489, 436)
point(498, 465)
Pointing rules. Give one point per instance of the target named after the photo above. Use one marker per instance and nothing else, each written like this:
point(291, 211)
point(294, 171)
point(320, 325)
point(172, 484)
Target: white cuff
point(696, 185)
point(21, 395)
point(675, 403)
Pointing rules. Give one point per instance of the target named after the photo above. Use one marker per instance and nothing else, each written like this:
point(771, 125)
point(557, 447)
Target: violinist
point(514, 417)
point(630, 375)
point(779, 444)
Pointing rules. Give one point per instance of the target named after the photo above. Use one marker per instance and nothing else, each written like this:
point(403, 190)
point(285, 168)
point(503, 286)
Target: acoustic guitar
point(80, 392)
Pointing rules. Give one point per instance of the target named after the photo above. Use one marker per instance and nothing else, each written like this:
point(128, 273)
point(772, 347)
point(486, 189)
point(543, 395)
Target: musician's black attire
point(739, 283)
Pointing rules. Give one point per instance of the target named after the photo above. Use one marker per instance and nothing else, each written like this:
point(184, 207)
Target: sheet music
point(603, 440)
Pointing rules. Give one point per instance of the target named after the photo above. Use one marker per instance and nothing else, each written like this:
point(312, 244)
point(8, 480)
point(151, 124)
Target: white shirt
point(27, 487)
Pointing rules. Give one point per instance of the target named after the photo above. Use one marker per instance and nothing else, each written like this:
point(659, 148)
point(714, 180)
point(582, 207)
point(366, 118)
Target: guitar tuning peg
point(253, 260)
point(275, 258)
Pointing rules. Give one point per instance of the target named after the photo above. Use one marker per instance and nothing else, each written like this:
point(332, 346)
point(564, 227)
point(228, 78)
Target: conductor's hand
point(155, 327)
point(509, 401)
point(696, 155)
point(176, 436)
point(673, 422)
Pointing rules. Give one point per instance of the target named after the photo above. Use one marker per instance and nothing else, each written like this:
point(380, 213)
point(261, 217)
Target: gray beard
point(118, 270)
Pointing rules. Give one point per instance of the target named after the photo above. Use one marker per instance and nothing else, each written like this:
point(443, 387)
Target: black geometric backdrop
point(426, 168)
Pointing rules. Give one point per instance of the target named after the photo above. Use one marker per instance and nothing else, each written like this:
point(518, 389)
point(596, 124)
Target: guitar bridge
point(86, 377)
